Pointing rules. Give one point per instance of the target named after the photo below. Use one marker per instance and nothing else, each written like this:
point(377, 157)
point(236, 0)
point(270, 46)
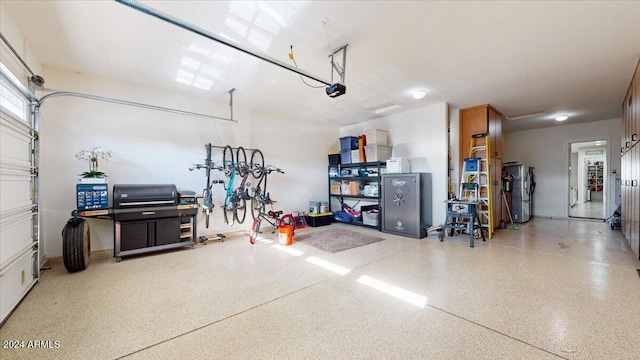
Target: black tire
point(76, 245)
point(255, 230)
point(241, 156)
point(240, 210)
point(257, 163)
point(227, 159)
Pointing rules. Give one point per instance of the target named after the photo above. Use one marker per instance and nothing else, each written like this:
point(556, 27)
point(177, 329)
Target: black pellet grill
point(151, 217)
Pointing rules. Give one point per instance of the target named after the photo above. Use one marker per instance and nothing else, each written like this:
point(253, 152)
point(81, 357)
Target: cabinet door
point(495, 132)
point(472, 121)
point(133, 235)
point(167, 231)
point(499, 209)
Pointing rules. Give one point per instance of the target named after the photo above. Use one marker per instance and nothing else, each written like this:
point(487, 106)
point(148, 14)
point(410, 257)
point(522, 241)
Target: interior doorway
point(587, 179)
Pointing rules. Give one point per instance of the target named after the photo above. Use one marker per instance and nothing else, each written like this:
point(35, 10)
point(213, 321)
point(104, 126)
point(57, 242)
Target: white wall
point(547, 150)
point(421, 136)
point(20, 45)
point(157, 147)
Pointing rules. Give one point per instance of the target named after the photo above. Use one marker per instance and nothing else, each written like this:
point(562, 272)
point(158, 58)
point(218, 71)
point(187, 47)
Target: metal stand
point(463, 216)
point(205, 238)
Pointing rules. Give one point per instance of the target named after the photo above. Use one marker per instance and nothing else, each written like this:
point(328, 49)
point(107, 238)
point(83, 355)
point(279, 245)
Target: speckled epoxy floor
point(553, 289)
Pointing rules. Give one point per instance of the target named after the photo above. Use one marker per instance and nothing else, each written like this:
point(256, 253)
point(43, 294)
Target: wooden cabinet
point(630, 164)
point(478, 120)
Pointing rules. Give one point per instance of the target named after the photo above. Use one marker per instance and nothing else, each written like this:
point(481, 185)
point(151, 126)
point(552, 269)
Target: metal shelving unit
point(349, 182)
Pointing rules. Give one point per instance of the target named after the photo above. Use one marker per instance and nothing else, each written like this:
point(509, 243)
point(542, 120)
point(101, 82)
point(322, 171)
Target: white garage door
point(19, 264)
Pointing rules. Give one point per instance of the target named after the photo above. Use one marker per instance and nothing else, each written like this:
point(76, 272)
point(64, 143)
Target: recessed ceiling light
point(562, 118)
point(419, 94)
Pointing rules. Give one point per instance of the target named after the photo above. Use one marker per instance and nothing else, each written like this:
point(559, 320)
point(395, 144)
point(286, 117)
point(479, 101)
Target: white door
point(19, 260)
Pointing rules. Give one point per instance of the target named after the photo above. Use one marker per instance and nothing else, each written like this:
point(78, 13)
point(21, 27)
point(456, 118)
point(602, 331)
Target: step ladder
point(476, 170)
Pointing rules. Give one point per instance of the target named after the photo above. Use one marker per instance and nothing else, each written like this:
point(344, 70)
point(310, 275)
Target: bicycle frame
point(228, 200)
point(273, 218)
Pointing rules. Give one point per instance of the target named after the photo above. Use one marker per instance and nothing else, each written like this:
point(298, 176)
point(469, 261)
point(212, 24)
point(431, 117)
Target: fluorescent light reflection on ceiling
point(185, 77)
point(397, 292)
point(288, 250)
point(328, 265)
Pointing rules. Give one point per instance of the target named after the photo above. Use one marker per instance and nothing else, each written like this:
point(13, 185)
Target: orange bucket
point(285, 234)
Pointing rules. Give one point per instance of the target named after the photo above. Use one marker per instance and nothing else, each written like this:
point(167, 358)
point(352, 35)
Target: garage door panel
point(16, 192)
point(15, 236)
point(16, 144)
point(16, 280)
point(19, 262)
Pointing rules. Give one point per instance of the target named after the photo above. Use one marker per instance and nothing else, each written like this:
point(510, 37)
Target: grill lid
point(144, 195)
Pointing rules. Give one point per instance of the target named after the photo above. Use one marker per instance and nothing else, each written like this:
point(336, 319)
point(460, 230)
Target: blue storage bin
point(472, 164)
point(345, 157)
point(348, 143)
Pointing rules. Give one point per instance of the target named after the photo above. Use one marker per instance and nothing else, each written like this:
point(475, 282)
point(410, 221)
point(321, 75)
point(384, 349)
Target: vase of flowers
point(93, 156)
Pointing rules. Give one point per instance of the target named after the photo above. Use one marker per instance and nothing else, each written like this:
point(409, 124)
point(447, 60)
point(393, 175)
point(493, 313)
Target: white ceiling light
point(419, 94)
point(562, 118)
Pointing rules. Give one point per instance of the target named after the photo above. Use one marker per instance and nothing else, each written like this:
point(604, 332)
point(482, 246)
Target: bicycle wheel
point(240, 210)
point(228, 211)
point(207, 213)
point(257, 208)
point(227, 159)
point(255, 230)
point(257, 163)
point(241, 156)
point(288, 220)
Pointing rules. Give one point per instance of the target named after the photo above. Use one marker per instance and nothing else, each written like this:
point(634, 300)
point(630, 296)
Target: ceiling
point(575, 58)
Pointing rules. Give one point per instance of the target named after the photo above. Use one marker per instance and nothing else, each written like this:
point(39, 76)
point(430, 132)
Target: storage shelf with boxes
point(358, 186)
point(372, 146)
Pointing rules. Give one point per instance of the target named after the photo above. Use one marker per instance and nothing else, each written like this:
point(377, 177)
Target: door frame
point(606, 198)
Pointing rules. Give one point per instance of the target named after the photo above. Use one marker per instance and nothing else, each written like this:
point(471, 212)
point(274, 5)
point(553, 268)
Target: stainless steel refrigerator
point(522, 190)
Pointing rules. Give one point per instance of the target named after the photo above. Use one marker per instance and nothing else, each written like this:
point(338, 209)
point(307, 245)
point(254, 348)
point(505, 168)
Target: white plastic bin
point(377, 137)
point(377, 152)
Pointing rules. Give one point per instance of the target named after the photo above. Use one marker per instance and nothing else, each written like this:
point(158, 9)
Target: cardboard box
point(335, 189)
point(354, 188)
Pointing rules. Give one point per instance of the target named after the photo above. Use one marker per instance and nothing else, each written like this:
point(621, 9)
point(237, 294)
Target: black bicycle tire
point(227, 154)
point(257, 168)
point(255, 230)
point(239, 150)
point(240, 207)
point(207, 214)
